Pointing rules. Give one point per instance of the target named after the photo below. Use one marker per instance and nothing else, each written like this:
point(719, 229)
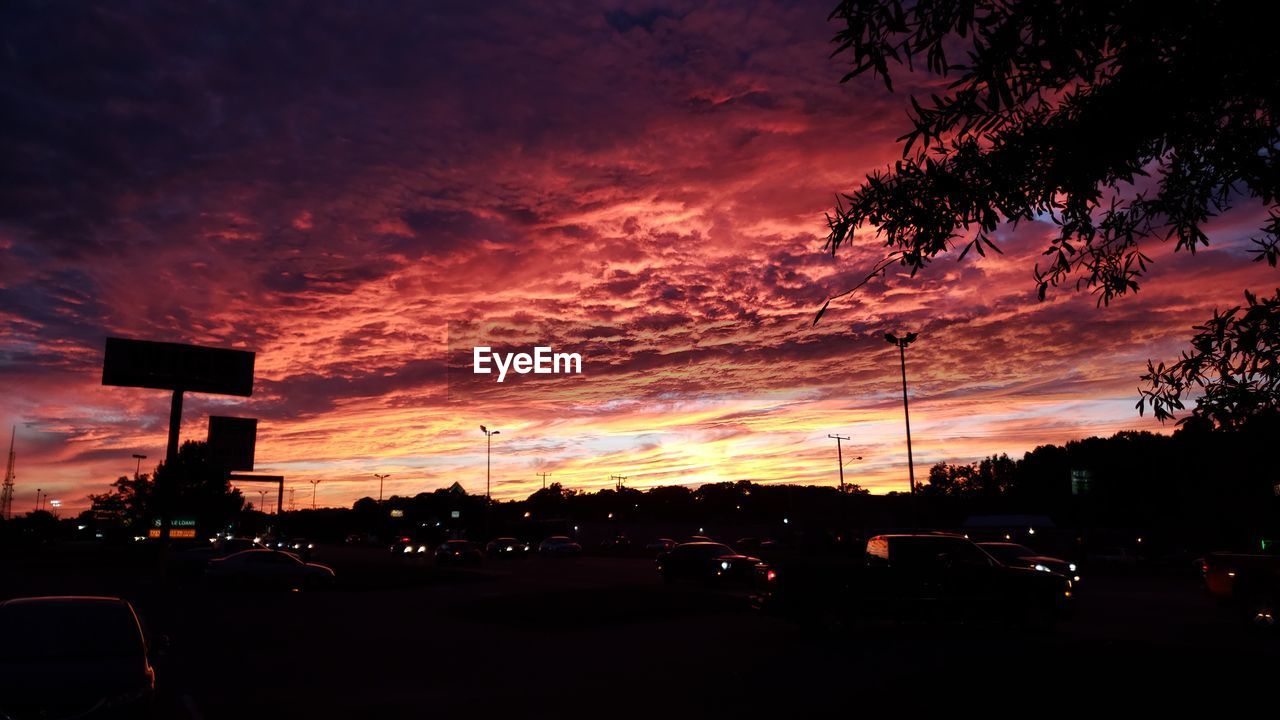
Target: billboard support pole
point(170, 459)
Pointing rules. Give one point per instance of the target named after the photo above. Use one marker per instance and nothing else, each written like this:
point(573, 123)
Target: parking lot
point(538, 636)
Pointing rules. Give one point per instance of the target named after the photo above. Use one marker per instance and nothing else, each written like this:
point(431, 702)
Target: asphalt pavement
point(541, 637)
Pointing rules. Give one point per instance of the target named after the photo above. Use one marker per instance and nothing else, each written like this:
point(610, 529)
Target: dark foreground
point(541, 637)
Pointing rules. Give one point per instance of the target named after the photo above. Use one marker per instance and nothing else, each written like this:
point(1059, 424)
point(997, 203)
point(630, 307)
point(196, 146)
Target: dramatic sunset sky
point(349, 189)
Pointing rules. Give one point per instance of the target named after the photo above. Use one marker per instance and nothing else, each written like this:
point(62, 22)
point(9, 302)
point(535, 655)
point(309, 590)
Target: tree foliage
point(1234, 362)
point(195, 487)
point(991, 476)
point(1119, 121)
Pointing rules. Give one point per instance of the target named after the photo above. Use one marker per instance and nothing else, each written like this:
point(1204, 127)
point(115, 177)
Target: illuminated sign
point(178, 522)
point(176, 532)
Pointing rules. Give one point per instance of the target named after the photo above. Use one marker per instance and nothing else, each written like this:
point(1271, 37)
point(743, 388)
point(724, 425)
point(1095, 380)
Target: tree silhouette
point(197, 486)
point(1234, 361)
point(1119, 122)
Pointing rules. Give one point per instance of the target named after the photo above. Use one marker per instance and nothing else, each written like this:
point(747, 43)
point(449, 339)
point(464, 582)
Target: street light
point(314, 484)
point(488, 440)
point(902, 343)
point(488, 501)
point(137, 468)
point(381, 478)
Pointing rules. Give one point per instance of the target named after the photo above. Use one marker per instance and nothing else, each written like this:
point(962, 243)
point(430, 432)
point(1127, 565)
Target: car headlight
point(1071, 567)
point(422, 548)
point(311, 546)
point(408, 548)
point(724, 564)
point(1041, 568)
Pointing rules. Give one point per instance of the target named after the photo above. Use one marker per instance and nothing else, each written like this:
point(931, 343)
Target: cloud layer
point(352, 189)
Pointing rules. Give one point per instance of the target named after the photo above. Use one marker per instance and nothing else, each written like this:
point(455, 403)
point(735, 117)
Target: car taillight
point(771, 576)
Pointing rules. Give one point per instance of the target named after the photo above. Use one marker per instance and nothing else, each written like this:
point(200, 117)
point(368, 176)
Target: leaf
point(818, 317)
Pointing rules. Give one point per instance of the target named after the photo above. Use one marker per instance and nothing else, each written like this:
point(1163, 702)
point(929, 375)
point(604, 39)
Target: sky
point(360, 192)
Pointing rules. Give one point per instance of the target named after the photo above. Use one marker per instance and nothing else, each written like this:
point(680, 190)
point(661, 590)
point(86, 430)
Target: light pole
point(381, 478)
point(314, 484)
point(488, 501)
point(488, 449)
point(137, 468)
point(262, 501)
point(544, 479)
point(37, 498)
point(902, 343)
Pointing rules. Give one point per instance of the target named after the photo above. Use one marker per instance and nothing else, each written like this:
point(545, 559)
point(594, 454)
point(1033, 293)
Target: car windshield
point(68, 629)
point(1008, 552)
point(715, 550)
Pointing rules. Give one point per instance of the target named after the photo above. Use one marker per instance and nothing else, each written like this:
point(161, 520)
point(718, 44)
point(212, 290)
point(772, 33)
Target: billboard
point(232, 441)
point(174, 366)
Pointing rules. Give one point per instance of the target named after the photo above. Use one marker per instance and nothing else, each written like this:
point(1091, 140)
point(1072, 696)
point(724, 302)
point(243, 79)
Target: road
point(543, 637)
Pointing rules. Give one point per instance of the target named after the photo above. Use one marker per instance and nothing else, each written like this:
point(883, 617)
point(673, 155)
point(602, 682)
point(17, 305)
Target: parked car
point(457, 551)
point(268, 569)
point(616, 545)
point(1015, 555)
point(506, 547)
point(661, 545)
point(559, 546)
point(707, 562)
point(74, 657)
point(757, 545)
point(191, 557)
point(913, 577)
point(1248, 584)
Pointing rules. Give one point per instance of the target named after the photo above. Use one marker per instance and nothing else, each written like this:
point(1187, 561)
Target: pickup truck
point(1249, 584)
point(911, 577)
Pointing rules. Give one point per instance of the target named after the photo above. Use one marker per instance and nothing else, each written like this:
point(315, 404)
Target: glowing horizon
point(639, 187)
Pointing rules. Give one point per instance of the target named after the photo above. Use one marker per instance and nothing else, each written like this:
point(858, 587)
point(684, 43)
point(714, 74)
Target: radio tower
point(6, 497)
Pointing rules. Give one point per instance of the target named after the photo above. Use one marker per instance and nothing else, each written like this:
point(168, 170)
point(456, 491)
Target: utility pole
point(381, 478)
point(840, 458)
point(6, 495)
point(544, 479)
point(314, 485)
point(38, 499)
point(137, 466)
point(617, 480)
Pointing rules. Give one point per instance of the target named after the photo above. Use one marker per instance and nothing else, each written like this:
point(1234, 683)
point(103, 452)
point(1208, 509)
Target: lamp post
point(137, 468)
point(488, 501)
point(902, 343)
point(381, 478)
point(488, 449)
point(314, 484)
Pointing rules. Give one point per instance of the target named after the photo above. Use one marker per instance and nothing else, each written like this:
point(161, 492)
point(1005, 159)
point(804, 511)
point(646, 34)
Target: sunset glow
point(646, 188)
